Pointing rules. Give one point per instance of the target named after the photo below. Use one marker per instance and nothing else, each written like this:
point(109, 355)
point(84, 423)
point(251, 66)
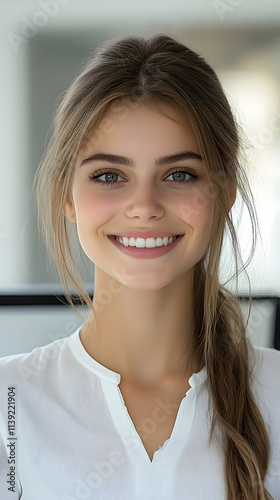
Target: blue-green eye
point(109, 174)
point(183, 176)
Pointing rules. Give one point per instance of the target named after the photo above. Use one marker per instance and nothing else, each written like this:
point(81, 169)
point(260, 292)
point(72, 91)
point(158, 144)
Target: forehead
point(138, 125)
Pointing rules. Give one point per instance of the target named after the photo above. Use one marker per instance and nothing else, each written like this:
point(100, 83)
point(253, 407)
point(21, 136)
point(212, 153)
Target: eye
point(109, 174)
point(183, 176)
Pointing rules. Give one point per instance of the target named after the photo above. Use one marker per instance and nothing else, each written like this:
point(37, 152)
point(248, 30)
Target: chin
point(146, 283)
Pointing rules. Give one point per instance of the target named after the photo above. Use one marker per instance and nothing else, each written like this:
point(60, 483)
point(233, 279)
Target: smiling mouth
point(150, 242)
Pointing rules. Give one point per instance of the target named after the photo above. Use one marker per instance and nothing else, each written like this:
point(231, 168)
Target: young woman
point(158, 394)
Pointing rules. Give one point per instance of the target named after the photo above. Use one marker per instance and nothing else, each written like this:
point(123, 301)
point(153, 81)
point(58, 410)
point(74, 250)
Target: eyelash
point(94, 177)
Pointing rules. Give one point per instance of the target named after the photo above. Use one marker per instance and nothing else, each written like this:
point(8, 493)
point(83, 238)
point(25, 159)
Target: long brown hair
point(155, 70)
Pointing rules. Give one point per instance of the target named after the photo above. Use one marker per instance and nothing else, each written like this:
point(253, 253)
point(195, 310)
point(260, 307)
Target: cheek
point(198, 212)
point(93, 209)
point(92, 212)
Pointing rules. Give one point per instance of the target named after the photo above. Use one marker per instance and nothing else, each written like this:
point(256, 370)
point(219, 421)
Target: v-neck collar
point(110, 381)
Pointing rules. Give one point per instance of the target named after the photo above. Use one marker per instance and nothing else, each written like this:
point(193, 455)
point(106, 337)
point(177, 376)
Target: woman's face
point(141, 192)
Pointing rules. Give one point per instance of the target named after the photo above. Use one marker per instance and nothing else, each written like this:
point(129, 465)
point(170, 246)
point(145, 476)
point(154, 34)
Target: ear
point(70, 211)
point(232, 190)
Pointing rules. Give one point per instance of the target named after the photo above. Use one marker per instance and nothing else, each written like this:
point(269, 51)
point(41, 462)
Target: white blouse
point(66, 434)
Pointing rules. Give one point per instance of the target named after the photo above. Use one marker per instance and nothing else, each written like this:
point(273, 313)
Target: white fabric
point(76, 440)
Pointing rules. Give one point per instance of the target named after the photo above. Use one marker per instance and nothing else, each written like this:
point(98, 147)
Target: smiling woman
point(159, 394)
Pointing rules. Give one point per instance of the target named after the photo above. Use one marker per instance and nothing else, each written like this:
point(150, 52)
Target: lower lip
point(145, 253)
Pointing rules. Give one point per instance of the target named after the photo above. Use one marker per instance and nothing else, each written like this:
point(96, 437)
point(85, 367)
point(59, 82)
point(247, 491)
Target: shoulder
point(18, 368)
point(33, 376)
point(265, 376)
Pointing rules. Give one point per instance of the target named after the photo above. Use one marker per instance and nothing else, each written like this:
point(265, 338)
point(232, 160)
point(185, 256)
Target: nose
point(144, 203)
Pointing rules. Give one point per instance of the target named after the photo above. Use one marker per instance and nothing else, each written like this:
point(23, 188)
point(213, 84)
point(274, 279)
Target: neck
point(145, 336)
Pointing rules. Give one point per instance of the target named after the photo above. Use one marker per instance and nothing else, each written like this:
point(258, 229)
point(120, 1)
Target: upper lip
point(145, 234)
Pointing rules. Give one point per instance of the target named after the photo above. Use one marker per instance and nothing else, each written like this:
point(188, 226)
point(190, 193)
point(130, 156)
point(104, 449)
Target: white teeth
point(146, 243)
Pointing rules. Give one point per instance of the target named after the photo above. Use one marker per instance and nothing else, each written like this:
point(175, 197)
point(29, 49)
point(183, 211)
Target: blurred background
point(44, 44)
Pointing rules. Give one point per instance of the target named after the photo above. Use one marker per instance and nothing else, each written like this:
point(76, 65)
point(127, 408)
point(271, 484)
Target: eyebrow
point(124, 160)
